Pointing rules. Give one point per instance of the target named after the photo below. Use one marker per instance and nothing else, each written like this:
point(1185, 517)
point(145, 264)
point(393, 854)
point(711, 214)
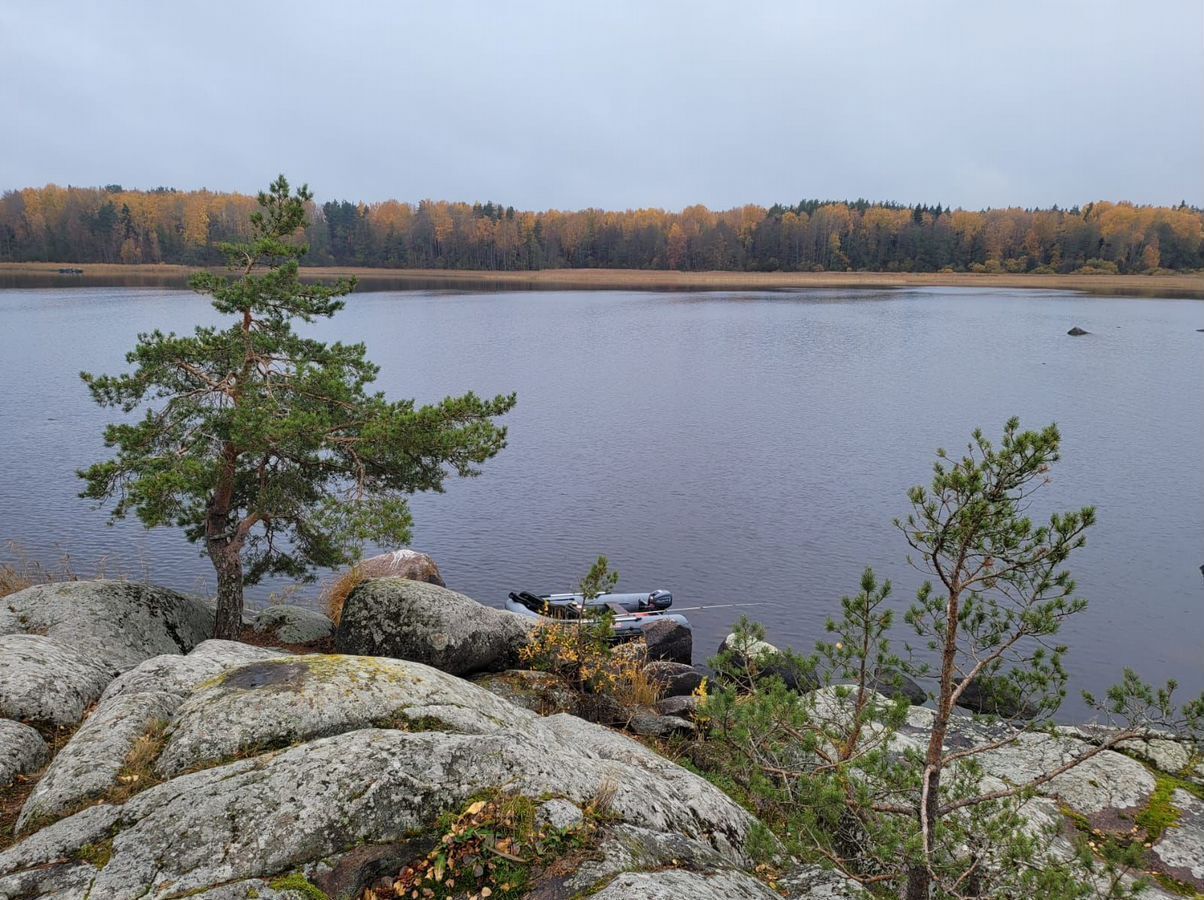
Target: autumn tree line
point(115, 225)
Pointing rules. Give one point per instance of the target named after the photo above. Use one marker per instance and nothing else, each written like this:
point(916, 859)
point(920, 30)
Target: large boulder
point(746, 654)
point(135, 706)
point(22, 751)
point(675, 679)
point(292, 624)
point(224, 827)
point(669, 641)
point(181, 674)
point(892, 683)
point(994, 697)
point(113, 625)
point(540, 692)
point(425, 623)
point(43, 681)
point(404, 563)
point(282, 701)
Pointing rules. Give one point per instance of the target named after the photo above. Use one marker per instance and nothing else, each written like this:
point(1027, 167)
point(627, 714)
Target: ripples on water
point(734, 447)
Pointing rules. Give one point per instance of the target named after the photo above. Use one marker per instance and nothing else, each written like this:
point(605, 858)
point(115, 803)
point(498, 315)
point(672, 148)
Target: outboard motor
point(660, 600)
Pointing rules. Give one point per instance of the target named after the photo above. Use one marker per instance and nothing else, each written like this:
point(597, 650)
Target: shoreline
point(1187, 285)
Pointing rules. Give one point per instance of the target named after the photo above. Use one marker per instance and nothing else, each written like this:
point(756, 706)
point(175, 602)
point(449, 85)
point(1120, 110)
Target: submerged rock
point(425, 623)
point(292, 624)
point(404, 563)
point(1077, 332)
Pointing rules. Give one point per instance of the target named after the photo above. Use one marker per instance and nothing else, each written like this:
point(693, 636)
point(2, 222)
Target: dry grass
point(632, 684)
point(1179, 285)
point(21, 570)
point(138, 772)
point(603, 800)
point(1190, 284)
point(335, 596)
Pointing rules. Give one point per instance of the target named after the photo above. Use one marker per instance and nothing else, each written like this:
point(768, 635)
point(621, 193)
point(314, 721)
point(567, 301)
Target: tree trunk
point(227, 561)
point(919, 878)
point(224, 546)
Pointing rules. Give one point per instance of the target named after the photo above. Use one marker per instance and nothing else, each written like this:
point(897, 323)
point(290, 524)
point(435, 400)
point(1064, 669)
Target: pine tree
point(267, 447)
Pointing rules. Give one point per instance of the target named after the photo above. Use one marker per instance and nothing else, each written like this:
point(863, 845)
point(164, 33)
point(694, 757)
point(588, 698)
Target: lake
point(731, 447)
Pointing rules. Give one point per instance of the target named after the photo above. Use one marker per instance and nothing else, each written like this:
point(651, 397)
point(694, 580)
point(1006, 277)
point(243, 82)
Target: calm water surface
point(733, 447)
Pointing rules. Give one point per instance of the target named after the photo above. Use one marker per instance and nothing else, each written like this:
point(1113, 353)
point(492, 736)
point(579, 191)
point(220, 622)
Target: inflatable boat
point(632, 613)
point(616, 603)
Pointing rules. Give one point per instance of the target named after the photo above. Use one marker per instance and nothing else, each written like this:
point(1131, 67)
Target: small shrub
point(1098, 267)
point(493, 848)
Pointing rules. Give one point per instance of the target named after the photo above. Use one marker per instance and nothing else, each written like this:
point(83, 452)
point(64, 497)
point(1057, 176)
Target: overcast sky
point(613, 104)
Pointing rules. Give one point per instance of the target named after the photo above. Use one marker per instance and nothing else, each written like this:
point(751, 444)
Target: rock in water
point(292, 624)
point(891, 683)
point(404, 563)
point(994, 697)
point(669, 641)
point(1077, 332)
point(425, 623)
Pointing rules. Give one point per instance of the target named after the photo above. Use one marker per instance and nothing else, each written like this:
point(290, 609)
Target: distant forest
point(115, 225)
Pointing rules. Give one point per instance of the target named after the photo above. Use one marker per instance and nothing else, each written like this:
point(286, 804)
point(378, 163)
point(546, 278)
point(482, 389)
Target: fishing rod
point(714, 606)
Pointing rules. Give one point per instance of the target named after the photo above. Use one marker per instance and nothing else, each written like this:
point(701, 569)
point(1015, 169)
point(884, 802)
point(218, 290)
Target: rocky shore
point(140, 759)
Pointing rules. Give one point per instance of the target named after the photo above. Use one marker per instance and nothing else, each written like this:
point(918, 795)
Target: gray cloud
point(613, 104)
